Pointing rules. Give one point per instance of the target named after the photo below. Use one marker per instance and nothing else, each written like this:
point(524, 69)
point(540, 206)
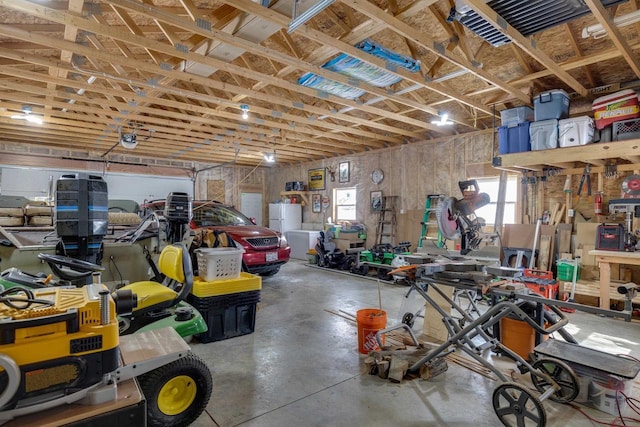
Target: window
point(345, 204)
point(491, 186)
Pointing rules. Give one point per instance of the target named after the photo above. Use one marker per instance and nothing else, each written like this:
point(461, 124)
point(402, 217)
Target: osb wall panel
point(411, 172)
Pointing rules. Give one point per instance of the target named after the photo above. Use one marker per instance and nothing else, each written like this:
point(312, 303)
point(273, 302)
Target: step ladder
point(429, 219)
point(387, 222)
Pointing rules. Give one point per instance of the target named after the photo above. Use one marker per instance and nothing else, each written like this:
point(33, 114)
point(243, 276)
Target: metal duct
point(528, 17)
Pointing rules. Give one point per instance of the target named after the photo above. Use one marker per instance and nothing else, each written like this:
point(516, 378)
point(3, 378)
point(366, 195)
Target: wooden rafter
point(183, 68)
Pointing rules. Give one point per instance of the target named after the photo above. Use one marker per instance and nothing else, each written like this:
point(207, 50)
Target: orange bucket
point(370, 321)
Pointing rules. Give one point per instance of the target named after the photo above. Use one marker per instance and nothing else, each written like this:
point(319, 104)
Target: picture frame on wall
point(316, 203)
point(343, 172)
point(376, 201)
point(317, 179)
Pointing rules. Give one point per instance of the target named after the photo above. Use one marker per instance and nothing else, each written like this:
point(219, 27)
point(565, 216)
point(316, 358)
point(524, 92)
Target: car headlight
point(283, 241)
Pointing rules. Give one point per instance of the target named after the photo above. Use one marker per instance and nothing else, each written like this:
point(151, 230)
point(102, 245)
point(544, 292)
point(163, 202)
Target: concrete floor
point(301, 366)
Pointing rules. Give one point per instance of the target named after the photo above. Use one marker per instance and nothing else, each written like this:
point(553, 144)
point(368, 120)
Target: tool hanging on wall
point(611, 171)
point(523, 192)
point(533, 182)
point(586, 175)
point(552, 171)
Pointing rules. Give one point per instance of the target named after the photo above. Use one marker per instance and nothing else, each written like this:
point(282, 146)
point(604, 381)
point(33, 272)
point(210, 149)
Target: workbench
point(604, 260)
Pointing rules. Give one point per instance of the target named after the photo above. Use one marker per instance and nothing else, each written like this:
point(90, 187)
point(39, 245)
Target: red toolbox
point(549, 291)
point(539, 274)
point(541, 282)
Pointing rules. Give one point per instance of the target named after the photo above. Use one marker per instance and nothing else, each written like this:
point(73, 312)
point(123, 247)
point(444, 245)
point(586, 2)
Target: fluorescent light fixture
point(33, 119)
point(298, 20)
point(245, 111)
point(270, 157)
point(596, 31)
point(26, 115)
point(443, 121)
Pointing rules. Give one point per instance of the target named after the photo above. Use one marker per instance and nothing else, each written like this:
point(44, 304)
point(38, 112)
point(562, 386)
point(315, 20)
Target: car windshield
point(206, 215)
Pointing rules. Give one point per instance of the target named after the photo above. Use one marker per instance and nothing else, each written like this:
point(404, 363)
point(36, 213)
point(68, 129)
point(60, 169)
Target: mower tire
point(177, 393)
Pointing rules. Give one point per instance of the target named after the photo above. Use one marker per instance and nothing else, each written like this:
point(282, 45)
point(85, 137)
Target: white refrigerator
point(285, 216)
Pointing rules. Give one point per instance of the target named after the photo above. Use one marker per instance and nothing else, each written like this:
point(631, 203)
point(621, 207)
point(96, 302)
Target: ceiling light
point(33, 119)
point(270, 157)
point(129, 140)
point(596, 31)
point(443, 121)
point(245, 111)
point(26, 115)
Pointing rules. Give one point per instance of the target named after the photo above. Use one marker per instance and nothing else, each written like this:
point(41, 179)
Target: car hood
point(247, 231)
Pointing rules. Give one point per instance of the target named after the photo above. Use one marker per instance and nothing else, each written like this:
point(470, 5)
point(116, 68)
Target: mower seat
point(175, 264)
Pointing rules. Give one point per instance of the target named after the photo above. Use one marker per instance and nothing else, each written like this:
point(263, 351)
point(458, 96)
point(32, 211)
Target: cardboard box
point(344, 244)
point(349, 235)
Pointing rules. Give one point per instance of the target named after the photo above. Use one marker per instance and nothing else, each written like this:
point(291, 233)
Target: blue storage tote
point(514, 139)
point(544, 135)
point(552, 104)
point(514, 116)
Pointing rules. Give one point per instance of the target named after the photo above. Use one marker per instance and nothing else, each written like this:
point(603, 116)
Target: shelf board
point(302, 194)
point(564, 158)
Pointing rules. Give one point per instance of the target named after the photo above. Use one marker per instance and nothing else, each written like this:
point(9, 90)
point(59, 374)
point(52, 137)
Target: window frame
point(509, 198)
point(336, 205)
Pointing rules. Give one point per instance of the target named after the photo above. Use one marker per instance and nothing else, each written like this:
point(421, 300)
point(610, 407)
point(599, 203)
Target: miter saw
point(457, 219)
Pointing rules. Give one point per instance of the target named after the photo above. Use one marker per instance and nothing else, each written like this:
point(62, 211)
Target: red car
point(265, 250)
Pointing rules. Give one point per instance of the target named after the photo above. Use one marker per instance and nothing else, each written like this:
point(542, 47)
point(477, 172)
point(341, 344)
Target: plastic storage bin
point(544, 134)
point(227, 316)
point(626, 129)
point(576, 131)
point(514, 116)
point(514, 139)
point(565, 270)
point(245, 283)
point(219, 263)
point(552, 104)
point(615, 107)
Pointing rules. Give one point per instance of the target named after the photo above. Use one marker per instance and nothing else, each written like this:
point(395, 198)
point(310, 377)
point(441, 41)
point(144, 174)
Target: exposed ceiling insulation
point(180, 74)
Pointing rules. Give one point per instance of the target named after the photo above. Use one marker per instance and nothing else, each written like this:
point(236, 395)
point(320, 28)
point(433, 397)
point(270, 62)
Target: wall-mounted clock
point(377, 176)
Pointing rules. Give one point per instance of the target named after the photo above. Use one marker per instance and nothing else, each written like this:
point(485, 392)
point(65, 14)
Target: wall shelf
point(567, 159)
point(302, 194)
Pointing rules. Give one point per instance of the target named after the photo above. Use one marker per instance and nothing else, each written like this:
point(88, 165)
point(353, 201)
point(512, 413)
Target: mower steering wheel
point(73, 263)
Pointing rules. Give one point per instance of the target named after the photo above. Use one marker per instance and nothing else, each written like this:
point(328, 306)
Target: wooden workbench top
point(617, 257)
